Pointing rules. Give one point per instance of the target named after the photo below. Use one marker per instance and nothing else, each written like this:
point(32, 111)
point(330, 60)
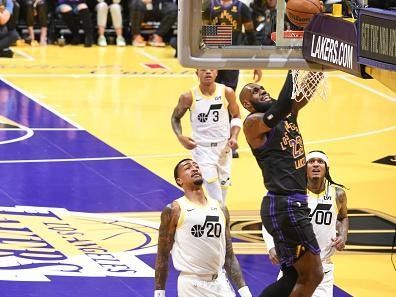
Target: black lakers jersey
point(282, 158)
point(235, 14)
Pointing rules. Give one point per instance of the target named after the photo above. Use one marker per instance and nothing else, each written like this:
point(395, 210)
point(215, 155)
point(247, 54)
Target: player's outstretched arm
point(257, 124)
point(311, 85)
point(184, 104)
point(342, 220)
point(231, 264)
point(281, 107)
point(169, 217)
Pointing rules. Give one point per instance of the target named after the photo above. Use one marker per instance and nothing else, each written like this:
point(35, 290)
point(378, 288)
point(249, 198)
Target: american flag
point(217, 35)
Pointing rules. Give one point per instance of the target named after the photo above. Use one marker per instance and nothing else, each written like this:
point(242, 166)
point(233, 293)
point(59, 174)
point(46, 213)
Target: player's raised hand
point(187, 142)
point(257, 74)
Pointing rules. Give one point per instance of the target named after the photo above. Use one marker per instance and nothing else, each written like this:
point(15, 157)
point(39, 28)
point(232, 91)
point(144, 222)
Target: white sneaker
point(102, 41)
point(138, 41)
point(120, 41)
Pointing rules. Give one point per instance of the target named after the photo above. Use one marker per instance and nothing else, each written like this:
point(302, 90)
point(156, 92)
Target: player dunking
point(272, 132)
point(328, 204)
point(196, 230)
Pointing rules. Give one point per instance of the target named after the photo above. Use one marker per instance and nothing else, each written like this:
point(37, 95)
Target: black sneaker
point(75, 40)
point(6, 53)
point(88, 40)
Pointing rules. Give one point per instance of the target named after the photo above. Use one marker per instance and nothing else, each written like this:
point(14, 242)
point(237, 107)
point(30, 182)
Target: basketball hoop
point(308, 85)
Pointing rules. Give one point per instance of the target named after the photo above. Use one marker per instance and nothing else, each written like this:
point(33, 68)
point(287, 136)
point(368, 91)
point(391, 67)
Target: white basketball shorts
point(190, 285)
point(214, 160)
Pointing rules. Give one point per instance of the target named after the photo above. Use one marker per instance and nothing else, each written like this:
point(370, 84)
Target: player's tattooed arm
point(166, 237)
point(231, 264)
point(342, 219)
point(184, 104)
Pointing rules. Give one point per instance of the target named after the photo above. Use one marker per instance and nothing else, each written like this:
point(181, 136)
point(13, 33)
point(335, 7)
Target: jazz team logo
point(38, 242)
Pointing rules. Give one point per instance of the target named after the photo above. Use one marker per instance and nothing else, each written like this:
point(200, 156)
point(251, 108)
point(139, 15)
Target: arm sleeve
point(269, 241)
point(282, 107)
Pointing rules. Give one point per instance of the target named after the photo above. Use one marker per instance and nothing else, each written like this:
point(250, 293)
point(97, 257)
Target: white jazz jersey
point(199, 246)
point(209, 116)
point(324, 218)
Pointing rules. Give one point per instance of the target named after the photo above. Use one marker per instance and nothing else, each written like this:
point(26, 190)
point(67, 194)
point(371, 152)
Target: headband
point(319, 155)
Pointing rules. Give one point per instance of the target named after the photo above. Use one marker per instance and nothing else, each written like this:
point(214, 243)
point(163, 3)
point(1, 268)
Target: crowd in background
point(119, 22)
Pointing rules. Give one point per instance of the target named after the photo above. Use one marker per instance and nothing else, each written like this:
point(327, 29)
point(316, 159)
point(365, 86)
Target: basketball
point(300, 12)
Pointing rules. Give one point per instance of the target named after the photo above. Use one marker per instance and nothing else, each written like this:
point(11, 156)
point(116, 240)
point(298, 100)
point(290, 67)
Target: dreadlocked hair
point(330, 180)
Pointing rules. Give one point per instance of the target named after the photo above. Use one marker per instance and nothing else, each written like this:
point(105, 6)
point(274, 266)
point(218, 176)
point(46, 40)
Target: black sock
point(283, 286)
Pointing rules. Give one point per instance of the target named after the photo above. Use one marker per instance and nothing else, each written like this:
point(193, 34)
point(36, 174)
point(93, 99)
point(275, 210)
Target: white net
point(308, 85)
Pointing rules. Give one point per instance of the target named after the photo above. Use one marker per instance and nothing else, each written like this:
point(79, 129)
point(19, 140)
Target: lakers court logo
point(37, 243)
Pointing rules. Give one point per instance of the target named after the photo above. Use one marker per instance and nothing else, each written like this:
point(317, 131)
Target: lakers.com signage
point(332, 41)
point(37, 243)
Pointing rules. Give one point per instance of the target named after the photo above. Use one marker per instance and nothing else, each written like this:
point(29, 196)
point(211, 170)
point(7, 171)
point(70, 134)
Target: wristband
point(236, 122)
point(159, 293)
point(244, 292)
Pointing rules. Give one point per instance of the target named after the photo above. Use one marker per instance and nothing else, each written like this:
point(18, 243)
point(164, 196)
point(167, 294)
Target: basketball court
point(87, 157)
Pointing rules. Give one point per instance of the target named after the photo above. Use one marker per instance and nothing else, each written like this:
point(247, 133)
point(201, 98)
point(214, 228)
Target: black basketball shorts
point(286, 218)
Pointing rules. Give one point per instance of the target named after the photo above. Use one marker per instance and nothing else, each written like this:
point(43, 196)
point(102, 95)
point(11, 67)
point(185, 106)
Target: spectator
point(102, 10)
point(72, 12)
point(7, 35)
point(164, 10)
point(37, 8)
point(13, 22)
point(264, 19)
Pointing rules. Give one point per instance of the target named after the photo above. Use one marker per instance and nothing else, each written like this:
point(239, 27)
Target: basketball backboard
point(192, 52)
